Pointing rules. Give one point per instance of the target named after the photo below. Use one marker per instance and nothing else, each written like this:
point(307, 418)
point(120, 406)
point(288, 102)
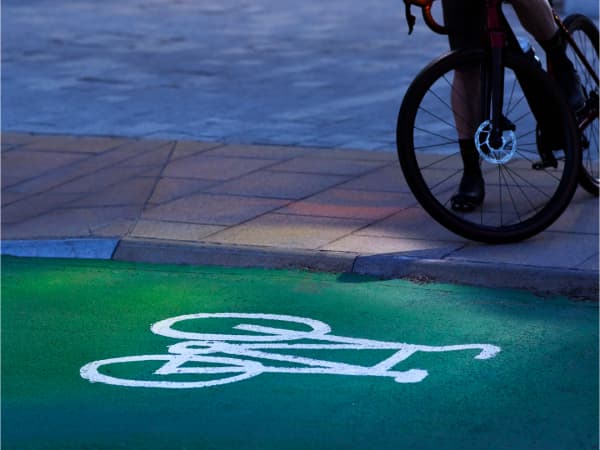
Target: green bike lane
point(395, 364)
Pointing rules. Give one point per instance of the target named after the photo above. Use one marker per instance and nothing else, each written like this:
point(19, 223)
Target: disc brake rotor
point(495, 154)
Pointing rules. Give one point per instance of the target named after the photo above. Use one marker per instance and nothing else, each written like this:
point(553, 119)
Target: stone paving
point(212, 203)
point(310, 73)
point(326, 74)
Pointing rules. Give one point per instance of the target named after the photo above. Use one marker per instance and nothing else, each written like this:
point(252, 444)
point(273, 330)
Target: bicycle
point(530, 143)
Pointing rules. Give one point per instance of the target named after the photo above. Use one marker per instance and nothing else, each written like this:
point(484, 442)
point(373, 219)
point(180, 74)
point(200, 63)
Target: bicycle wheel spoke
point(523, 116)
point(439, 161)
point(512, 200)
point(510, 97)
point(510, 110)
point(526, 181)
point(433, 187)
point(435, 116)
point(433, 146)
point(523, 192)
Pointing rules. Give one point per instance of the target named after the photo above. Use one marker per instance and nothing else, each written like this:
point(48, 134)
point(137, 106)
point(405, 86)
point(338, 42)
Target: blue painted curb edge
point(61, 248)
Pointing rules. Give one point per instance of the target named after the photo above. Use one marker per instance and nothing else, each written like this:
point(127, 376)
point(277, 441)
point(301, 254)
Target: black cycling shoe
point(471, 192)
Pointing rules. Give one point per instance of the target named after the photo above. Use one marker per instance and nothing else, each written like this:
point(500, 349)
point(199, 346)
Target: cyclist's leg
point(464, 21)
point(466, 108)
point(537, 18)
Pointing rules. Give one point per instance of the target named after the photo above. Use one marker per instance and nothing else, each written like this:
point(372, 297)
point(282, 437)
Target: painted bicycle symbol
point(226, 358)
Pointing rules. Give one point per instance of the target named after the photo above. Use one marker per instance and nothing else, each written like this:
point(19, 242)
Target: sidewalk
point(268, 206)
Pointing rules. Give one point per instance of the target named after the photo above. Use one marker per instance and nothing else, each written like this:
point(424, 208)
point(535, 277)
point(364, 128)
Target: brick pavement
point(274, 206)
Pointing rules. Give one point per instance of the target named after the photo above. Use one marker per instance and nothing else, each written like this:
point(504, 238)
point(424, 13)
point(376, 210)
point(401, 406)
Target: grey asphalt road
point(312, 73)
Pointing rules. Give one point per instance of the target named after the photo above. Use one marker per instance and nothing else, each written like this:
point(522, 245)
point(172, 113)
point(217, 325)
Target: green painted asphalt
point(540, 391)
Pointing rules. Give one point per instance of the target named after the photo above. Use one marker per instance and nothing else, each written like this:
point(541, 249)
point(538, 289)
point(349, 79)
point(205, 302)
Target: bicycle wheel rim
point(519, 202)
point(585, 34)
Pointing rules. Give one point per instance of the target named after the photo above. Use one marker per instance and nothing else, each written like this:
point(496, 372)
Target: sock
point(470, 157)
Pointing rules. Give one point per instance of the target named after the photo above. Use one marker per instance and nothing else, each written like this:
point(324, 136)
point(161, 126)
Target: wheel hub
point(495, 150)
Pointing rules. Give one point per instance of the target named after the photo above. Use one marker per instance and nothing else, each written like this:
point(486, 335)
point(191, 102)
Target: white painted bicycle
point(226, 358)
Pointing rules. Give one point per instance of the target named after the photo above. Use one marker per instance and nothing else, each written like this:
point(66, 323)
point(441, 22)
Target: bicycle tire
point(585, 34)
point(428, 156)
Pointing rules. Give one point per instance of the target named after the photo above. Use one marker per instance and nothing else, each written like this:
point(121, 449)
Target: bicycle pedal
point(585, 143)
point(544, 164)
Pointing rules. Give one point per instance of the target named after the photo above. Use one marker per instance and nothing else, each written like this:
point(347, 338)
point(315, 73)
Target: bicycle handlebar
point(425, 6)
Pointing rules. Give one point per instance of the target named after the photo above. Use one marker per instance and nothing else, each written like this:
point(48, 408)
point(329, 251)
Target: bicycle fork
point(501, 38)
point(495, 138)
point(499, 123)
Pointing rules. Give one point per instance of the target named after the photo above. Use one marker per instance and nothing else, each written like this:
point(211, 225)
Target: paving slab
point(388, 178)
point(11, 140)
point(346, 203)
point(74, 222)
point(548, 249)
point(171, 188)
point(161, 229)
point(213, 209)
point(406, 247)
point(268, 183)
point(213, 167)
point(411, 222)
point(25, 164)
point(71, 144)
point(260, 151)
point(288, 231)
point(344, 166)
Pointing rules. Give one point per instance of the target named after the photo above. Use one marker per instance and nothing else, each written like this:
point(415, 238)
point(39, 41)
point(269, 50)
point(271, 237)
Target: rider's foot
point(471, 190)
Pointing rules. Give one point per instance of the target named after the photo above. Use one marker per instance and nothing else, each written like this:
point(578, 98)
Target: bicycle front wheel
point(525, 190)
point(585, 35)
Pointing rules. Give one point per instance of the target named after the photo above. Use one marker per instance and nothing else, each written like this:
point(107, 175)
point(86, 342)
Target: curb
point(82, 248)
point(542, 280)
point(191, 253)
